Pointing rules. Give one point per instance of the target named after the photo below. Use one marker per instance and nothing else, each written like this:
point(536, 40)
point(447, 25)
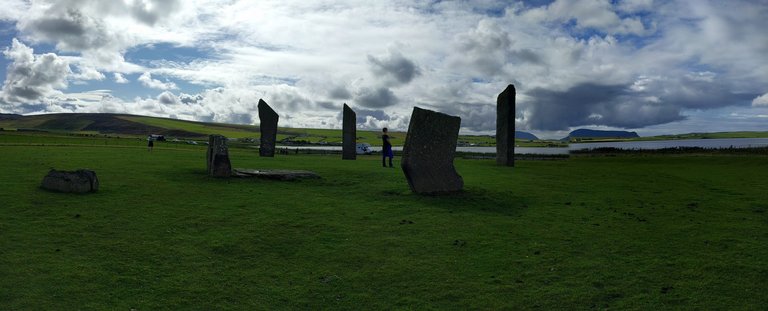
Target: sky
point(651, 66)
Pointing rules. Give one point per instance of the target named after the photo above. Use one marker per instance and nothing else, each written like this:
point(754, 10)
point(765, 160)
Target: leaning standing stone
point(349, 134)
point(428, 152)
point(79, 181)
point(505, 127)
point(218, 157)
point(268, 127)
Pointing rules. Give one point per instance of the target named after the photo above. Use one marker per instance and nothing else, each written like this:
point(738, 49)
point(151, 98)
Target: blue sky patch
point(148, 53)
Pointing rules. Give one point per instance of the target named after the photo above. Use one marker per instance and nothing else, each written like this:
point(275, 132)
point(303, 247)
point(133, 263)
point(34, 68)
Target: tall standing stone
point(268, 127)
point(505, 127)
point(428, 152)
point(218, 164)
point(349, 134)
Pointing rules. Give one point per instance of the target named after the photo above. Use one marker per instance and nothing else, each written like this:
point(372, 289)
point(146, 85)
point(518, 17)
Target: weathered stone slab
point(268, 127)
point(79, 181)
point(218, 164)
point(428, 152)
point(275, 174)
point(505, 127)
point(349, 134)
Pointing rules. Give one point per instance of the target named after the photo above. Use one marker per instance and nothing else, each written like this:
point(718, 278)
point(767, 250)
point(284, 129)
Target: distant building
point(156, 137)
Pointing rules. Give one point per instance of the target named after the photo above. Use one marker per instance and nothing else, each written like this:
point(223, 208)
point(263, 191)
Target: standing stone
point(268, 127)
point(505, 127)
point(218, 157)
point(349, 134)
point(428, 152)
point(79, 181)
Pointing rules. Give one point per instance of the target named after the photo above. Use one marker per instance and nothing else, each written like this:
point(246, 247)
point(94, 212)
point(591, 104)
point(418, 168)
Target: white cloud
point(632, 6)
point(119, 78)
point(32, 77)
point(10, 9)
point(589, 14)
point(146, 80)
point(84, 73)
point(385, 57)
point(761, 100)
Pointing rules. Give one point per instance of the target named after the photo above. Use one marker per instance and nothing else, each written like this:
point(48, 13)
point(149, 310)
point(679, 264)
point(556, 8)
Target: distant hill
point(525, 136)
point(103, 123)
point(8, 116)
point(135, 125)
point(586, 133)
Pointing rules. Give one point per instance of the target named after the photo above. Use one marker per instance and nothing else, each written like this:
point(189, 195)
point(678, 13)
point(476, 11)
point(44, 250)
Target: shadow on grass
point(471, 199)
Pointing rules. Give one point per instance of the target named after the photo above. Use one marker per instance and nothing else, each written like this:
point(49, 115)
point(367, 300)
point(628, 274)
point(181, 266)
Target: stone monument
point(268, 127)
point(349, 134)
point(505, 127)
point(79, 181)
point(428, 152)
point(218, 157)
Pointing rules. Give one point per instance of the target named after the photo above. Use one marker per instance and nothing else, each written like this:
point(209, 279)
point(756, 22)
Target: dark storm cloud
point(340, 92)
point(699, 91)
point(71, 29)
point(362, 114)
point(594, 104)
point(376, 98)
point(525, 56)
point(289, 102)
point(71, 24)
point(328, 105)
point(79, 24)
point(474, 116)
point(395, 65)
point(153, 11)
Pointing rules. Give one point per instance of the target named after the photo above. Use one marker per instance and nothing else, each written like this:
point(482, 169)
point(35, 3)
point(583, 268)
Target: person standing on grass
point(150, 144)
point(386, 150)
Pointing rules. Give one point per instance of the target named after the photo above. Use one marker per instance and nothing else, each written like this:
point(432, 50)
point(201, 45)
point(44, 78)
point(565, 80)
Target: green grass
point(627, 232)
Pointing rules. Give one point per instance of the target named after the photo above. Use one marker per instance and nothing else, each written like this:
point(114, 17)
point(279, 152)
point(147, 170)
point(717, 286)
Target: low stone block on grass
point(79, 181)
point(276, 174)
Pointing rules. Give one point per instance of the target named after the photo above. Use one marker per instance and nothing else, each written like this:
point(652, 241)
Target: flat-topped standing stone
point(505, 127)
point(428, 152)
point(79, 181)
point(349, 134)
point(218, 157)
point(268, 127)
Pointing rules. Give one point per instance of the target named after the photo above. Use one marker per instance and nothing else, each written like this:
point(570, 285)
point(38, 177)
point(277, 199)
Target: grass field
point(625, 232)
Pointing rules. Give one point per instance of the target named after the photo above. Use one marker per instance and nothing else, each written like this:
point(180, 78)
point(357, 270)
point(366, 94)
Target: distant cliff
point(525, 135)
point(585, 133)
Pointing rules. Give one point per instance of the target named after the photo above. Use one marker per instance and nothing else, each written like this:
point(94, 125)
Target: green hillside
point(140, 126)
